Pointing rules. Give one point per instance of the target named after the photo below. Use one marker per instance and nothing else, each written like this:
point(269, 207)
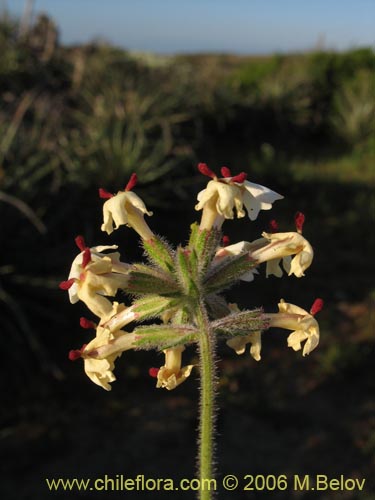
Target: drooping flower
point(224, 195)
point(239, 344)
point(100, 354)
point(172, 374)
point(125, 208)
point(92, 277)
point(282, 246)
point(291, 244)
point(304, 325)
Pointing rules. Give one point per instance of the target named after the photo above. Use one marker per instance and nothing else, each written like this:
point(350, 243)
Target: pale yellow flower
point(96, 254)
point(239, 344)
point(100, 354)
point(92, 277)
point(305, 326)
point(219, 199)
point(172, 374)
point(282, 246)
point(225, 196)
point(125, 208)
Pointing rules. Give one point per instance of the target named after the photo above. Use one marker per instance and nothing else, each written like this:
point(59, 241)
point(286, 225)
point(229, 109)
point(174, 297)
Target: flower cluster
point(182, 287)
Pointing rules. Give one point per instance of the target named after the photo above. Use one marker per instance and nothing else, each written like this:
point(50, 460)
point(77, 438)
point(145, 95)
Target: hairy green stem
point(207, 401)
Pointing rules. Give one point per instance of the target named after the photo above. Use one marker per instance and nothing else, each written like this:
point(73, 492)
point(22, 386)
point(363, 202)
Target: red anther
point(240, 177)
point(86, 323)
point(317, 306)
point(74, 354)
point(105, 194)
point(132, 182)
point(203, 169)
point(273, 226)
point(225, 241)
point(225, 172)
point(299, 220)
point(86, 258)
point(80, 242)
point(65, 285)
point(153, 372)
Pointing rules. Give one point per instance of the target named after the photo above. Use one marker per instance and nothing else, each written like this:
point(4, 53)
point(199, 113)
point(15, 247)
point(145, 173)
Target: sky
point(230, 26)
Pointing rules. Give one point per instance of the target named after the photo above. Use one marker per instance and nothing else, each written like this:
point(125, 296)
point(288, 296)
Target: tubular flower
point(119, 317)
point(100, 354)
point(91, 276)
point(171, 374)
point(125, 208)
point(305, 326)
point(223, 195)
point(239, 344)
point(282, 246)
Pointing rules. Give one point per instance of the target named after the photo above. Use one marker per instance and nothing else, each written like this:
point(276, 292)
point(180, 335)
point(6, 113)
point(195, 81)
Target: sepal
point(146, 280)
point(241, 323)
point(185, 271)
point(226, 272)
point(159, 253)
point(153, 306)
point(204, 243)
point(164, 336)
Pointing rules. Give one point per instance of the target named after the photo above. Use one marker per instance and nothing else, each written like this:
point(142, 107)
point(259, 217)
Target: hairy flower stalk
point(179, 292)
point(207, 357)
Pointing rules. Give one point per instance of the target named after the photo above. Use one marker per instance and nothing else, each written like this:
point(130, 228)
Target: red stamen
point(86, 258)
point(80, 242)
point(65, 285)
point(86, 323)
point(273, 226)
point(153, 372)
point(225, 240)
point(225, 172)
point(240, 178)
point(299, 220)
point(132, 182)
point(75, 354)
point(105, 194)
point(203, 169)
point(317, 306)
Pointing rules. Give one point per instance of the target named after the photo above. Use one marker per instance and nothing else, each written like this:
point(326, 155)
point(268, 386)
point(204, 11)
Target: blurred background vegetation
point(73, 119)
